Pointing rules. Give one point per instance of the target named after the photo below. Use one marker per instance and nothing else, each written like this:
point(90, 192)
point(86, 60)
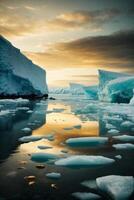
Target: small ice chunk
point(49, 137)
point(29, 111)
point(68, 128)
point(86, 195)
point(42, 147)
point(110, 126)
point(84, 161)
point(118, 187)
point(64, 151)
point(53, 175)
point(43, 157)
point(26, 130)
point(118, 156)
point(90, 184)
point(86, 141)
point(124, 138)
point(113, 131)
point(127, 124)
point(31, 138)
point(124, 146)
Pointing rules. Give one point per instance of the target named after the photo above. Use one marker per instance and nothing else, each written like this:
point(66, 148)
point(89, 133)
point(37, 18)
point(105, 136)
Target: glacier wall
point(18, 75)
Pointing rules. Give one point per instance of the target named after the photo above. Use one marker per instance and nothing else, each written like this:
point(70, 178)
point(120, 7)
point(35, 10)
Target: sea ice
point(86, 141)
point(124, 138)
point(31, 138)
point(128, 146)
point(84, 161)
point(43, 157)
point(86, 195)
point(118, 187)
point(53, 175)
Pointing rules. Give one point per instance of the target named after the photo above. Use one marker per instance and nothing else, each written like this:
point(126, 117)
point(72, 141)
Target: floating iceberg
point(43, 157)
point(86, 196)
point(86, 141)
point(91, 92)
point(18, 75)
point(115, 87)
point(53, 175)
point(84, 161)
point(118, 187)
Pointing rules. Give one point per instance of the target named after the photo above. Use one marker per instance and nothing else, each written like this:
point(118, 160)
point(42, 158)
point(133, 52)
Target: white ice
point(86, 196)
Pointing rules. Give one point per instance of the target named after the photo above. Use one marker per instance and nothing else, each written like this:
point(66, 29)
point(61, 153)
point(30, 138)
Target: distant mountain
point(18, 75)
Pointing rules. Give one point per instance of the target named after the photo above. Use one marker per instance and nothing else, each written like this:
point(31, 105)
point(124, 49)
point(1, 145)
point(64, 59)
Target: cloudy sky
point(71, 39)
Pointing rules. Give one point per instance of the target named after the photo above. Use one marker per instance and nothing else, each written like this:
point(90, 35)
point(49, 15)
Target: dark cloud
point(108, 51)
point(82, 18)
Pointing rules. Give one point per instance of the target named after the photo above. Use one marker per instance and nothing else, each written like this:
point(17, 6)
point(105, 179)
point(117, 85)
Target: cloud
point(108, 51)
point(79, 19)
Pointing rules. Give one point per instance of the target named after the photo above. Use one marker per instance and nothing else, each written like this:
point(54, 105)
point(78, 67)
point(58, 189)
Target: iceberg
point(18, 75)
point(91, 92)
point(132, 99)
point(84, 161)
point(118, 187)
point(86, 141)
point(115, 87)
point(59, 90)
point(86, 196)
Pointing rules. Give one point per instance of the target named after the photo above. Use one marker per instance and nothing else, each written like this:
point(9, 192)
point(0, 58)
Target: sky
point(72, 39)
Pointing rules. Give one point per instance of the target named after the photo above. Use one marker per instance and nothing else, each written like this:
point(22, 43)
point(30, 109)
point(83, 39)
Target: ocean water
point(23, 170)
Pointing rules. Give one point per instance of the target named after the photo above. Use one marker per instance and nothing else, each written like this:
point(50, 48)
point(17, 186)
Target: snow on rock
point(43, 157)
point(85, 196)
point(91, 92)
point(86, 141)
point(31, 138)
point(124, 138)
point(84, 161)
point(19, 76)
point(115, 87)
point(118, 187)
point(127, 146)
point(53, 175)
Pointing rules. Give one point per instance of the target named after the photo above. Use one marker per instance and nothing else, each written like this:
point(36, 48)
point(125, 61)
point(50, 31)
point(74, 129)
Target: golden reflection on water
point(56, 123)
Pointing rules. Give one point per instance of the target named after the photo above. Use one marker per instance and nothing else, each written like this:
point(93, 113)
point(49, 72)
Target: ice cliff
point(115, 87)
point(18, 75)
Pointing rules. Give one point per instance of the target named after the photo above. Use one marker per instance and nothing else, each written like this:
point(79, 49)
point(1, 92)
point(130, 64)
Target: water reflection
point(14, 118)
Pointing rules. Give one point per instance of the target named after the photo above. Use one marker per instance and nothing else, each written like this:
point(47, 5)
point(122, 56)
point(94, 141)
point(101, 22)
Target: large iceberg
point(91, 92)
point(18, 75)
point(115, 87)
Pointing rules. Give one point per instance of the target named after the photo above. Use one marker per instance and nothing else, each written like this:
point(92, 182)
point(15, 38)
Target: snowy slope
point(18, 75)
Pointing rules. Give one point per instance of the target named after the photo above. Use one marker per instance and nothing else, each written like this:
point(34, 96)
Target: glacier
point(18, 75)
point(115, 87)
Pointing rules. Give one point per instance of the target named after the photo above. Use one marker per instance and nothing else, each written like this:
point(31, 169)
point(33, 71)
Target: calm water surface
point(56, 121)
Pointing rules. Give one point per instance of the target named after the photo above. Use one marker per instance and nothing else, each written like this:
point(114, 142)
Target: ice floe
point(127, 124)
point(43, 157)
point(84, 161)
point(113, 131)
point(124, 138)
point(124, 146)
point(86, 141)
point(118, 187)
point(31, 138)
point(85, 196)
point(53, 175)
point(42, 147)
point(26, 130)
